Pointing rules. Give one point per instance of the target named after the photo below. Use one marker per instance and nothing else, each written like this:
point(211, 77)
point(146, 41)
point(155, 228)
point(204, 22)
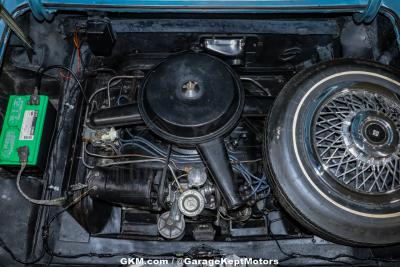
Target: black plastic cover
point(191, 98)
point(100, 37)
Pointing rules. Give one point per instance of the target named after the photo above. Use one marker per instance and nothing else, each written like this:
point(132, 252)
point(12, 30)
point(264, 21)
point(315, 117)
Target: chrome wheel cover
point(356, 138)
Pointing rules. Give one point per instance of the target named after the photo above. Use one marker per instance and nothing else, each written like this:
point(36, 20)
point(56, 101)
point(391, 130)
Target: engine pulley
point(191, 203)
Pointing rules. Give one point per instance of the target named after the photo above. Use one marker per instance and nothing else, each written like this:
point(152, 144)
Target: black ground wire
point(42, 70)
point(193, 252)
point(334, 259)
point(3, 244)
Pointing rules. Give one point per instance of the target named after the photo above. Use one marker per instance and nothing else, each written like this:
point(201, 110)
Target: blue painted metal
point(226, 4)
point(370, 12)
point(15, 8)
point(39, 11)
point(42, 9)
point(393, 8)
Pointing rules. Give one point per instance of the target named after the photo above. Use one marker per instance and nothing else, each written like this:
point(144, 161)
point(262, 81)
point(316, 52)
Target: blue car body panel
point(364, 10)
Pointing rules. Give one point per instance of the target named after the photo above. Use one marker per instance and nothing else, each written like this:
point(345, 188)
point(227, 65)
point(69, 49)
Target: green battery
point(27, 123)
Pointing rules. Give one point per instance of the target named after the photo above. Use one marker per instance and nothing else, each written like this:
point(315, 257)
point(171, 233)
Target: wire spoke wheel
point(333, 148)
point(357, 141)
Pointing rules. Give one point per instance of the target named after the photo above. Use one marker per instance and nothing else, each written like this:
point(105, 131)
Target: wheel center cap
point(373, 134)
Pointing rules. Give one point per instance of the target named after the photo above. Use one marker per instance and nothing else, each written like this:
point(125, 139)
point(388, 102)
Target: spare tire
point(333, 151)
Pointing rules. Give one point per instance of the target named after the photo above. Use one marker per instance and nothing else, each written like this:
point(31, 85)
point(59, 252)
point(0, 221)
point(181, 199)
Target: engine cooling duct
point(190, 99)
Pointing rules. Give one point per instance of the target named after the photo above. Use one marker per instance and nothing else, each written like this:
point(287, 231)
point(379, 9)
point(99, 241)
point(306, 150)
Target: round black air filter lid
point(191, 98)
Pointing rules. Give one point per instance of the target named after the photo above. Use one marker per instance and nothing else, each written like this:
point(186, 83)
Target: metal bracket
point(39, 11)
point(369, 14)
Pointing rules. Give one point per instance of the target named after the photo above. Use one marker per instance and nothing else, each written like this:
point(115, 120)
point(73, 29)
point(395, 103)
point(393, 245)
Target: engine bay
point(190, 177)
point(166, 130)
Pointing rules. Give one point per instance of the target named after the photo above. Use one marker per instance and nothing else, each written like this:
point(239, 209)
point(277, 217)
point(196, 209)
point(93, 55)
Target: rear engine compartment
point(138, 182)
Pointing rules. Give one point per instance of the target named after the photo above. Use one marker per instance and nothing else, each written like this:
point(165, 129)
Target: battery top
point(22, 126)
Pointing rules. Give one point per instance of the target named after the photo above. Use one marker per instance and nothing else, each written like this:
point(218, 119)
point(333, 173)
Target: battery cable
point(23, 154)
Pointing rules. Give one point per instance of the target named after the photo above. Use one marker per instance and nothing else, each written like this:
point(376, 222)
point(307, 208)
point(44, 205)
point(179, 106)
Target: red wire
point(78, 48)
